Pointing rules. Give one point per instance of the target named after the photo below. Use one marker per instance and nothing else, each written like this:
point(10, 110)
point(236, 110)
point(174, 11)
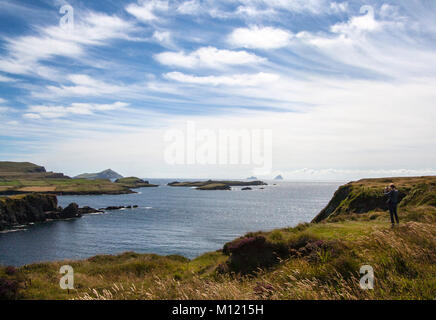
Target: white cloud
point(31, 116)
point(146, 10)
point(251, 11)
point(339, 7)
point(209, 57)
point(191, 7)
point(353, 174)
point(311, 6)
point(6, 79)
point(83, 85)
point(2, 100)
point(41, 111)
point(25, 53)
point(232, 80)
point(163, 37)
point(359, 24)
point(257, 37)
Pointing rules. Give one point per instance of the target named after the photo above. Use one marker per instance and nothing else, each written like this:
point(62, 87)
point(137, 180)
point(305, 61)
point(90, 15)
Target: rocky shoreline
point(32, 208)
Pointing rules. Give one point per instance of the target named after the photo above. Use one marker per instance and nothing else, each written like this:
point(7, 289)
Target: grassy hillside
point(310, 261)
point(26, 177)
point(62, 186)
point(367, 195)
point(23, 167)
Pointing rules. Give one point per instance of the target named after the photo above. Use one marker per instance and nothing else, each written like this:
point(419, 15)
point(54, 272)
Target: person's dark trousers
point(393, 213)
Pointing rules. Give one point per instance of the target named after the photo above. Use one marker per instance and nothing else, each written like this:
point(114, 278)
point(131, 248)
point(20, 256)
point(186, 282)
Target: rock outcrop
point(216, 184)
point(134, 182)
point(31, 208)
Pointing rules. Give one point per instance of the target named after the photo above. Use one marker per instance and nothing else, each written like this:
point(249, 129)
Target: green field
point(62, 186)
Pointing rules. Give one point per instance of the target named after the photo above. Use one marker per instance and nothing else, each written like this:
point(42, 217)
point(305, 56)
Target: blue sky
point(347, 87)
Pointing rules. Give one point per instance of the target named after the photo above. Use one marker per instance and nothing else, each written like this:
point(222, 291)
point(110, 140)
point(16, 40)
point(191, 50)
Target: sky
point(345, 88)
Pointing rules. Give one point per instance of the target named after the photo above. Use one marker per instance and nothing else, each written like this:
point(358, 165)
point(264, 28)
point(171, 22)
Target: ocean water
point(169, 220)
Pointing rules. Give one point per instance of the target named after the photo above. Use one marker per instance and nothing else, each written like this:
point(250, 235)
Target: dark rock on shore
point(88, 210)
point(31, 208)
point(111, 208)
point(21, 210)
point(246, 188)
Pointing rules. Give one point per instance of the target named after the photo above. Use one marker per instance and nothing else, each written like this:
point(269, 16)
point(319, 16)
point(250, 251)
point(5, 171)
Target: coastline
point(325, 256)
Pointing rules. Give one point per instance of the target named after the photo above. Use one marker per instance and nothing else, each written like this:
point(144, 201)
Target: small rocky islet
point(217, 184)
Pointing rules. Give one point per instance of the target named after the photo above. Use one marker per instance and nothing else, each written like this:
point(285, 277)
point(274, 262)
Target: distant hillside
point(22, 167)
point(279, 177)
point(106, 174)
point(26, 170)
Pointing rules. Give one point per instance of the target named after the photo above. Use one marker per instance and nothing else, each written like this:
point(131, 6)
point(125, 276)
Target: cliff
point(31, 208)
point(367, 195)
point(23, 167)
point(20, 210)
point(308, 261)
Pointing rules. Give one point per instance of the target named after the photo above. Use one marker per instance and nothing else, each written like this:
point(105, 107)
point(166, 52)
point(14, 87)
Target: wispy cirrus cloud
point(42, 111)
point(245, 80)
point(322, 74)
point(25, 54)
point(146, 10)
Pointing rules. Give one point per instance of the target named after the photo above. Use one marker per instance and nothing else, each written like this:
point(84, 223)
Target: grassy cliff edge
point(310, 261)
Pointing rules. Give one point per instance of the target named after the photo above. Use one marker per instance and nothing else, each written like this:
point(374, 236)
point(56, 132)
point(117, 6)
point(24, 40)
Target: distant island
point(25, 177)
point(252, 178)
point(134, 182)
point(279, 177)
point(105, 174)
point(216, 184)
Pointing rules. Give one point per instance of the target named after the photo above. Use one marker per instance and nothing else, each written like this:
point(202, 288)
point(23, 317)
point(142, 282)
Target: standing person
point(392, 193)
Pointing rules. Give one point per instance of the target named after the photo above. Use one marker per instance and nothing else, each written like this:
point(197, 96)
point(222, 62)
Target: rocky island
point(134, 182)
point(216, 184)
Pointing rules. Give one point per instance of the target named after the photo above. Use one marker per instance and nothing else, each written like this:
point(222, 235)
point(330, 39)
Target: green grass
point(309, 261)
point(404, 261)
point(63, 186)
point(9, 166)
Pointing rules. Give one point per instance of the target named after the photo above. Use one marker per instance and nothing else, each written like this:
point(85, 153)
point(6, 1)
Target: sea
point(168, 220)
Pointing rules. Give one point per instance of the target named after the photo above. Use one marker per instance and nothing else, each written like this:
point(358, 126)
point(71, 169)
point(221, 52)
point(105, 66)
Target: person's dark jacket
point(392, 197)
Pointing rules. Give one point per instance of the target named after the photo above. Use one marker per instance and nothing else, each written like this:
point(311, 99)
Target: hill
point(20, 167)
point(105, 174)
point(366, 195)
point(25, 177)
point(319, 260)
